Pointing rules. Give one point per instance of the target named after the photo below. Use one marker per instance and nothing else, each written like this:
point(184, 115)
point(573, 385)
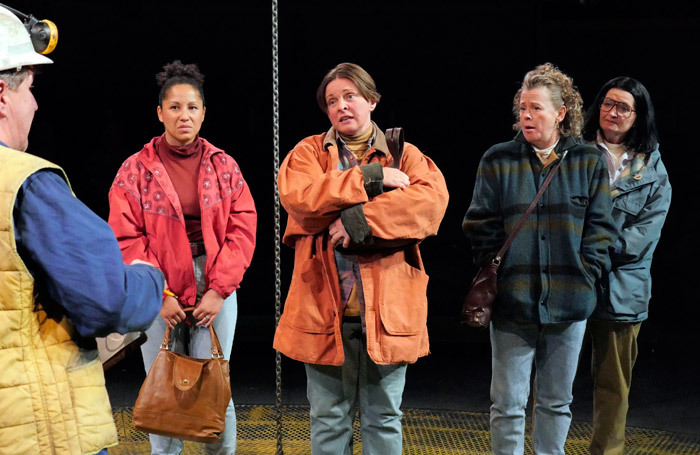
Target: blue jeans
point(334, 392)
point(554, 349)
point(199, 347)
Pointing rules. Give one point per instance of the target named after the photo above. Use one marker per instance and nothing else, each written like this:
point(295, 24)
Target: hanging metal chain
point(278, 243)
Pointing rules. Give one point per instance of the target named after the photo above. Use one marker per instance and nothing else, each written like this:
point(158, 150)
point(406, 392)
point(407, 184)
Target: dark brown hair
point(362, 80)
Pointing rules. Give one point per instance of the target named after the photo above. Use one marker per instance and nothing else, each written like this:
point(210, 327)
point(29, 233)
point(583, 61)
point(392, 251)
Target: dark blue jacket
point(552, 270)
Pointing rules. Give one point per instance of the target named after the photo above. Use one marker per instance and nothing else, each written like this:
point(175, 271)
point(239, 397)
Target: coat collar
point(150, 153)
point(565, 142)
point(641, 173)
point(379, 144)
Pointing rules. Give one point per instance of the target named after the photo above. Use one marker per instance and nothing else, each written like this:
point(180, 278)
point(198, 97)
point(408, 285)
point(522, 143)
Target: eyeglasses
point(623, 109)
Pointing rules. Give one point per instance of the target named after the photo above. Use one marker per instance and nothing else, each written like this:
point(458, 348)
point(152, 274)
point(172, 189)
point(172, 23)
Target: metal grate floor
point(425, 432)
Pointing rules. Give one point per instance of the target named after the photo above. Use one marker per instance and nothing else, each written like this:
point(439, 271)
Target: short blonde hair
point(562, 93)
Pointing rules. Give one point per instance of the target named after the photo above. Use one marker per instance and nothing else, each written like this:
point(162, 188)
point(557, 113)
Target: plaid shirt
point(348, 264)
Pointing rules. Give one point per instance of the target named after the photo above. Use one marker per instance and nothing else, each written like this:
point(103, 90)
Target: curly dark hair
point(175, 73)
point(562, 93)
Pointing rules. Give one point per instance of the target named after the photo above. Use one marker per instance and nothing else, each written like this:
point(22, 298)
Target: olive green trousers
point(614, 352)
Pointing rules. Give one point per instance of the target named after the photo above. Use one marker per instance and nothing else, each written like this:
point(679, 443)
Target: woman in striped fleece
point(549, 277)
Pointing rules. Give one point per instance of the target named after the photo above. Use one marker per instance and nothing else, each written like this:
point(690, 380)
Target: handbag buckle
point(496, 261)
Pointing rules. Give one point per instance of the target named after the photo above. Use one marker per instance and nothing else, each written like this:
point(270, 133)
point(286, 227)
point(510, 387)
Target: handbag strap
point(394, 140)
point(216, 351)
point(499, 256)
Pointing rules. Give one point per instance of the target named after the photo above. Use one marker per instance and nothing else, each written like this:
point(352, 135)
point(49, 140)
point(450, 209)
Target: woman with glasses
point(547, 279)
point(621, 123)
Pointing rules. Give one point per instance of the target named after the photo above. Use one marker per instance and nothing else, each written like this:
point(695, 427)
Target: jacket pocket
point(309, 305)
point(403, 305)
point(631, 203)
point(93, 413)
point(579, 203)
point(630, 291)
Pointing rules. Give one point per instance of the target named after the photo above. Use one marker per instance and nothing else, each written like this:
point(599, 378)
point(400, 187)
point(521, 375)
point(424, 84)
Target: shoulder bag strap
point(394, 140)
point(499, 256)
point(216, 351)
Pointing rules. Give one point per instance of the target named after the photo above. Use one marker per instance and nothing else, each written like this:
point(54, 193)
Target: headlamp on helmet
point(24, 43)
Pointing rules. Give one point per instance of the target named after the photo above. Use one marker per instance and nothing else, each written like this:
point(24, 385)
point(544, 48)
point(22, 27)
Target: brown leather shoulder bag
point(184, 397)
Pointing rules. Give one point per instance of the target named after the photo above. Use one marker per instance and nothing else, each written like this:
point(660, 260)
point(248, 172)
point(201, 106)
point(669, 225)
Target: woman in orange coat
point(356, 309)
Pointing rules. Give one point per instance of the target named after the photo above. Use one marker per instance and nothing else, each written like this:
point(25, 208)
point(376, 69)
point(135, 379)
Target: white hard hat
point(16, 49)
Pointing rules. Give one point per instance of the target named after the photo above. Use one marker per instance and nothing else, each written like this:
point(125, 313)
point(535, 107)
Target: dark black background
point(447, 72)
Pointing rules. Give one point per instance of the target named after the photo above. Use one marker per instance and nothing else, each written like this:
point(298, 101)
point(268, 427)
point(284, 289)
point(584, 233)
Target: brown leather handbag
point(183, 397)
point(477, 307)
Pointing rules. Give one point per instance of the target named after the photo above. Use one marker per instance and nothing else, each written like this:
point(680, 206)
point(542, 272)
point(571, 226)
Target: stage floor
point(445, 402)
point(425, 432)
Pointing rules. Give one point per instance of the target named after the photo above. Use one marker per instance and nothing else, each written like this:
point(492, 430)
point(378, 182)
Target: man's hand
point(171, 311)
point(139, 261)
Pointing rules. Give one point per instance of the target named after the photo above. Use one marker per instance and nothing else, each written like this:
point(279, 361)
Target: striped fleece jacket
point(552, 270)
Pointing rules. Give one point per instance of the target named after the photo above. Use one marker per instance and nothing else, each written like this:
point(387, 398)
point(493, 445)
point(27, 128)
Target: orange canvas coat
point(314, 192)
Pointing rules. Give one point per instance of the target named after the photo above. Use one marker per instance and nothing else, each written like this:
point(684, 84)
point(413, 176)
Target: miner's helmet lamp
point(22, 44)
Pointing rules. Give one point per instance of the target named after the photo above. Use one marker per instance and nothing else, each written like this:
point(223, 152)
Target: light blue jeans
point(199, 347)
point(334, 392)
point(554, 349)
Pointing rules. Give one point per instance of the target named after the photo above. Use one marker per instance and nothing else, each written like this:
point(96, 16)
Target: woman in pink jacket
point(356, 309)
point(182, 204)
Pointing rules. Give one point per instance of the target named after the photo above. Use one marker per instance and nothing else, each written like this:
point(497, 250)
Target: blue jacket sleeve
point(73, 253)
